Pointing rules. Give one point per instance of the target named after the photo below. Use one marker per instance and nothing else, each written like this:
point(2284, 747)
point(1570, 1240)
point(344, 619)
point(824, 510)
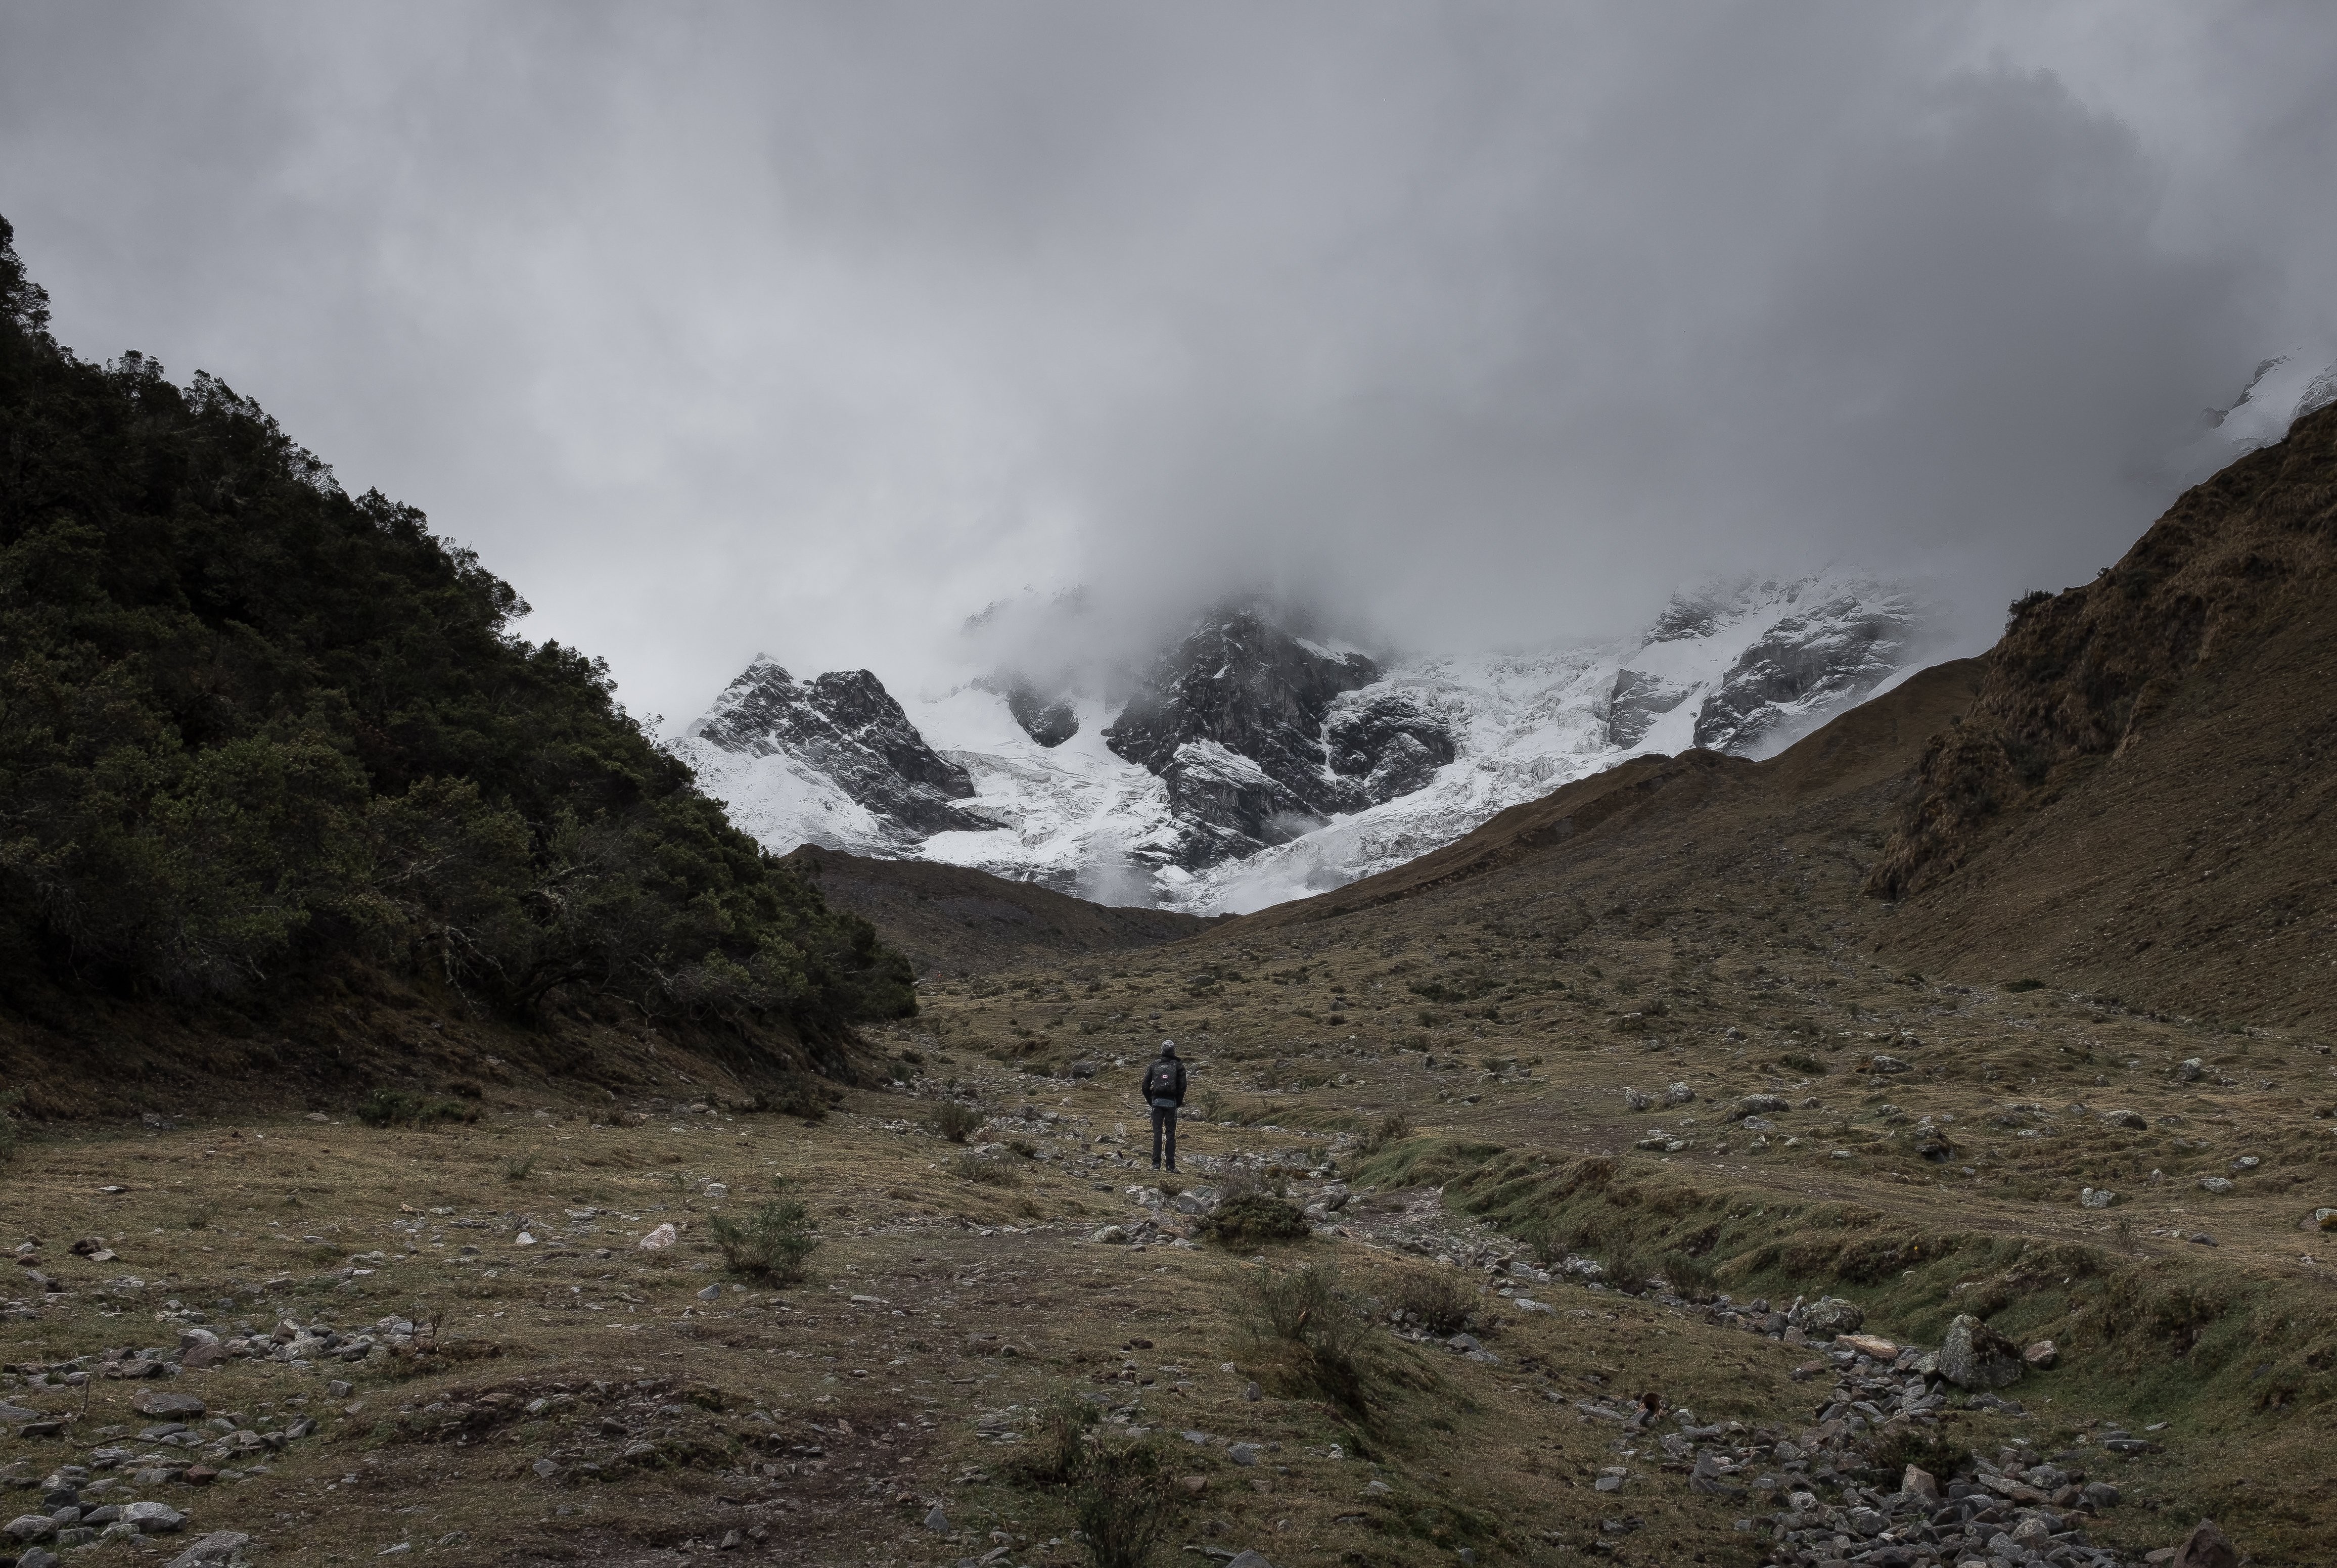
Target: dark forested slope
point(253, 729)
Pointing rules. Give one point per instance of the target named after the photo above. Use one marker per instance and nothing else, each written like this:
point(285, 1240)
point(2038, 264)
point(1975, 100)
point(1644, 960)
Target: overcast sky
point(813, 329)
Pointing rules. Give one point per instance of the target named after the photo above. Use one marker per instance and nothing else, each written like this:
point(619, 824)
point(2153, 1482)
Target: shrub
point(518, 1166)
point(1059, 1440)
point(1255, 1217)
point(770, 1245)
point(1120, 1498)
point(955, 1122)
point(1688, 1276)
point(397, 1108)
point(971, 1167)
point(1389, 1129)
point(1440, 1300)
point(1310, 1310)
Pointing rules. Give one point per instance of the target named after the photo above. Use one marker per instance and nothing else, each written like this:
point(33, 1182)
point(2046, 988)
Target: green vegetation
point(969, 1166)
point(955, 1121)
point(397, 1108)
point(1250, 1218)
point(770, 1245)
point(254, 730)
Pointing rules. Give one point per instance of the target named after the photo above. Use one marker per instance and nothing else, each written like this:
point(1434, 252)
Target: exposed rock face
point(1391, 743)
point(1638, 701)
point(848, 726)
point(1049, 722)
point(1974, 1356)
point(1242, 721)
point(1834, 652)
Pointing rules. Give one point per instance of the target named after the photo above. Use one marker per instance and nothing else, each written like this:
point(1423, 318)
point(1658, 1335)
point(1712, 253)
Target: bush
point(1253, 1217)
point(1689, 1276)
point(956, 1122)
point(1389, 1129)
point(770, 1245)
point(1308, 1309)
point(1120, 1498)
point(397, 1108)
point(1440, 1300)
point(1059, 1440)
point(518, 1167)
point(969, 1166)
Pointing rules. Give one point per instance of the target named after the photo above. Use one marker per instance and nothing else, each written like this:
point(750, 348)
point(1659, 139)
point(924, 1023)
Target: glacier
point(1743, 667)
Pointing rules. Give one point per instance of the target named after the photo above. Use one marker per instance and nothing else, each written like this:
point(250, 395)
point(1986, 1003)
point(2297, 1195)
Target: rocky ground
point(314, 1340)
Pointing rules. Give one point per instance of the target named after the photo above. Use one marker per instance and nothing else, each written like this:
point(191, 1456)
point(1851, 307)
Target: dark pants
point(1164, 1127)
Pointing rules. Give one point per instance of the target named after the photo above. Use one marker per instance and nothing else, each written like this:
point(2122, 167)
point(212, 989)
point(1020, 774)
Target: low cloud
point(820, 330)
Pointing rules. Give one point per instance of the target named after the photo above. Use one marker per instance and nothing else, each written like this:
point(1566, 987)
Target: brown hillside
point(2140, 802)
point(1661, 830)
point(951, 920)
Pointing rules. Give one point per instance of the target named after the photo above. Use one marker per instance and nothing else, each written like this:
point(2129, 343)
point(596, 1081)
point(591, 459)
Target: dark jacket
point(1165, 1080)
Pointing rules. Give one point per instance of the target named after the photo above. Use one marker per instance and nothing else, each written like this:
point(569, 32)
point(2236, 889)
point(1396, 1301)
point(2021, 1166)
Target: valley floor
point(573, 1397)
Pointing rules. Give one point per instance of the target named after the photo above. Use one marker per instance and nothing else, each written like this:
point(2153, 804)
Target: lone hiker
point(1164, 1091)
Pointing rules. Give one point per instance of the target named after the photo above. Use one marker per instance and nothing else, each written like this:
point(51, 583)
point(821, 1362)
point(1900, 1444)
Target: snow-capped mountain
point(1254, 764)
point(2283, 389)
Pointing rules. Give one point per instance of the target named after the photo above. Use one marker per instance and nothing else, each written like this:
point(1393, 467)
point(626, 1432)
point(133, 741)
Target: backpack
point(1164, 1085)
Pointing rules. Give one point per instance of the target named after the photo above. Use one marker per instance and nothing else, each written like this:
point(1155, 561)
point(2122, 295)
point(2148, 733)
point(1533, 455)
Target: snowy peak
point(1254, 764)
point(1746, 668)
point(844, 728)
point(1235, 719)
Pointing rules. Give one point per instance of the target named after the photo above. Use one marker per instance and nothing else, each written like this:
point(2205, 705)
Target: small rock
point(1243, 1454)
point(153, 1401)
point(1250, 1560)
point(711, 1293)
point(1868, 1344)
point(1974, 1356)
point(2206, 1547)
point(1637, 1099)
point(1112, 1235)
point(1193, 1485)
point(2190, 1071)
point(1680, 1094)
point(395, 1550)
point(522, 1239)
point(30, 1527)
point(202, 1356)
point(2043, 1355)
point(1919, 1482)
point(937, 1520)
point(1610, 1479)
point(2132, 1120)
point(2215, 1184)
point(659, 1240)
point(545, 1468)
point(1251, 1393)
point(2096, 1197)
point(1888, 1064)
point(336, 1389)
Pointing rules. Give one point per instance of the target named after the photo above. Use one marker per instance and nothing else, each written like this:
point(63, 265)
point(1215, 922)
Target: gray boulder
point(219, 1546)
point(1974, 1356)
point(1831, 1315)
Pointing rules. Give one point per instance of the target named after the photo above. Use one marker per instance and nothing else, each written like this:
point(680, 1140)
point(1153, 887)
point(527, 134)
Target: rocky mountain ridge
point(1253, 763)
